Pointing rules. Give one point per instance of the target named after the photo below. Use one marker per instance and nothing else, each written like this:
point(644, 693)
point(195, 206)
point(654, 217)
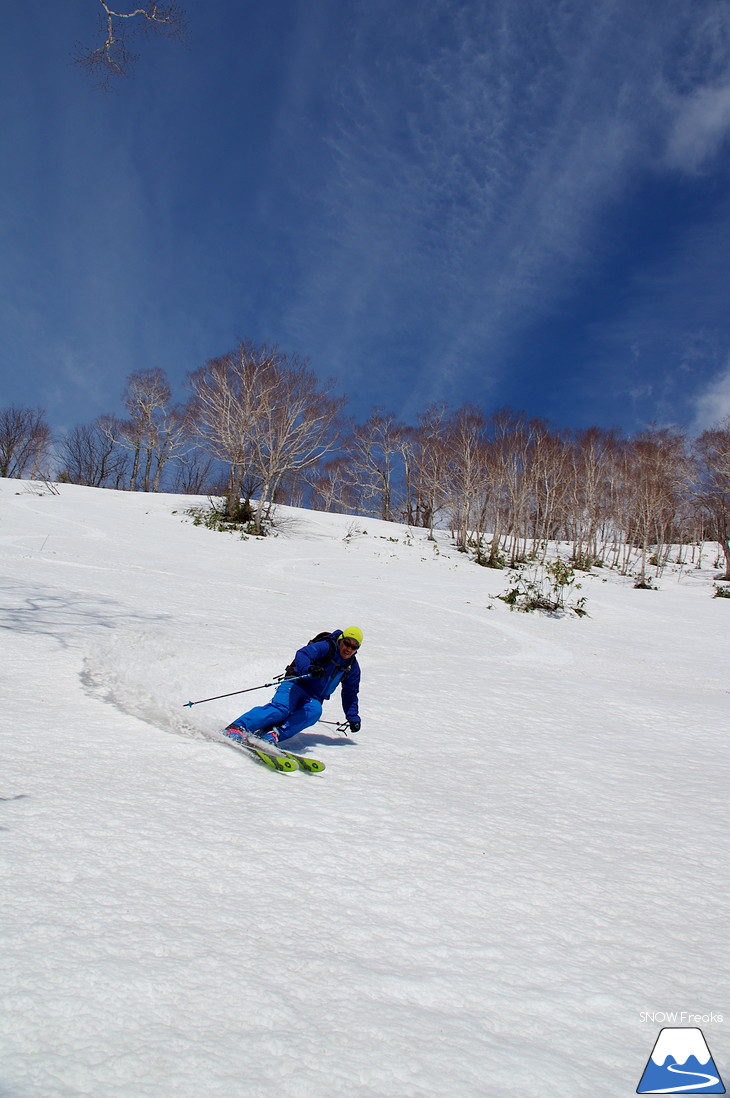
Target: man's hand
point(354, 726)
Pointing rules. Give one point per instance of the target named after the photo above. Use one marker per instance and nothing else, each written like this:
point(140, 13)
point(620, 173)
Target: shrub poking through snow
point(545, 588)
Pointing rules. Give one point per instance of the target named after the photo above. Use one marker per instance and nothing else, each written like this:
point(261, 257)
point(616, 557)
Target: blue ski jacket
point(324, 669)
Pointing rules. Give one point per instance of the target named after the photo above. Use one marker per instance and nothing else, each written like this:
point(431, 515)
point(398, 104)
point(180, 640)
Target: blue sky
point(505, 202)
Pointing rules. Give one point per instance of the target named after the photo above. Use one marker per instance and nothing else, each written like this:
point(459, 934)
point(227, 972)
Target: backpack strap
point(331, 639)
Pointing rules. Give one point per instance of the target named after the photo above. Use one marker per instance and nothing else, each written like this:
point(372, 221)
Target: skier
point(329, 660)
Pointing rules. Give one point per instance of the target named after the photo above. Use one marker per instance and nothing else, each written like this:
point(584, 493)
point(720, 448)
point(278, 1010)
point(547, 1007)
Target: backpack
point(318, 666)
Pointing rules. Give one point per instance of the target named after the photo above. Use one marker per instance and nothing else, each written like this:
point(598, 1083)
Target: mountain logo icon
point(680, 1063)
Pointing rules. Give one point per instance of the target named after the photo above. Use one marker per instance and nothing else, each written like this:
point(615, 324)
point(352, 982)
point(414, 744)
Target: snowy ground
point(523, 851)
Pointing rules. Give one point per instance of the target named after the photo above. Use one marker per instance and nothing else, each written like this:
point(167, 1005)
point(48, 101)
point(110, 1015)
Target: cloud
point(420, 191)
point(470, 151)
point(713, 404)
point(701, 126)
point(475, 153)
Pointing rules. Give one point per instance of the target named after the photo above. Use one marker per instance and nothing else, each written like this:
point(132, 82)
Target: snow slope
point(524, 848)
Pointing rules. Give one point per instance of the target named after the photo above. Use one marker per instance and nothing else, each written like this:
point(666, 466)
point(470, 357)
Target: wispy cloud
point(665, 339)
point(418, 196)
point(712, 404)
point(701, 126)
point(475, 151)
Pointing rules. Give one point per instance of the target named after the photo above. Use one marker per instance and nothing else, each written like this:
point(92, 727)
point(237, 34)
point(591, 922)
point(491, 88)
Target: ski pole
point(341, 726)
point(275, 682)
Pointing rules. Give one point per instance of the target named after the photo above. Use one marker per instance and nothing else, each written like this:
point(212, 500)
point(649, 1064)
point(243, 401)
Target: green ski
point(274, 762)
point(275, 757)
point(304, 762)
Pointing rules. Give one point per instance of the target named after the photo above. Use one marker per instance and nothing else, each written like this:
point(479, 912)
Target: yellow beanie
point(353, 633)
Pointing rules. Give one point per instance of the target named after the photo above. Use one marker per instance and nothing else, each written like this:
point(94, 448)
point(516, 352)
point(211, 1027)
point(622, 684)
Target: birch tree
point(592, 481)
point(466, 450)
point(228, 393)
point(25, 441)
point(713, 488)
point(292, 431)
point(375, 453)
point(655, 474)
point(155, 432)
point(89, 455)
point(331, 487)
point(430, 467)
point(265, 415)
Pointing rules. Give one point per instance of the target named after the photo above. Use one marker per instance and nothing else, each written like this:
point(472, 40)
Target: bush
point(495, 560)
point(214, 517)
point(545, 589)
point(584, 562)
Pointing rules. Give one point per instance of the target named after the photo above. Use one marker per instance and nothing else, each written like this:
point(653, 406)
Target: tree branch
point(112, 57)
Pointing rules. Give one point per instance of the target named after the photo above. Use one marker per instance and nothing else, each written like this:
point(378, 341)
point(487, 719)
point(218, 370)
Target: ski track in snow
point(525, 846)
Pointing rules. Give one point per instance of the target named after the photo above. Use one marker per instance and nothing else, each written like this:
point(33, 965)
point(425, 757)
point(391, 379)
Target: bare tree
point(111, 57)
point(293, 431)
point(25, 441)
point(548, 472)
point(156, 430)
point(375, 450)
point(428, 493)
point(331, 486)
point(713, 488)
point(228, 393)
point(655, 473)
point(592, 483)
point(89, 455)
point(508, 460)
point(195, 472)
point(266, 416)
point(465, 443)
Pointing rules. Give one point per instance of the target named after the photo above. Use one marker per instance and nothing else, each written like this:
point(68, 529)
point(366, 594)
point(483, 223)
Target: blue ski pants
point(291, 709)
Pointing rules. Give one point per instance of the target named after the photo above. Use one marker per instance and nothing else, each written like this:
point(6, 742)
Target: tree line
point(260, 428)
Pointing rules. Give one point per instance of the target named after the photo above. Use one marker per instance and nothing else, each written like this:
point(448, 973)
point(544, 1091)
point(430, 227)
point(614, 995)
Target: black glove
point(354, 726)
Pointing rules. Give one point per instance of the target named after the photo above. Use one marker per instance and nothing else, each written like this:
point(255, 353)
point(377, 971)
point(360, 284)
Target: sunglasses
point(351, 644)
